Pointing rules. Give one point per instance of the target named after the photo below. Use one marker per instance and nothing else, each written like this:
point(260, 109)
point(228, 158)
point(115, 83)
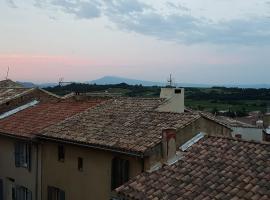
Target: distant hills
point(116, 80)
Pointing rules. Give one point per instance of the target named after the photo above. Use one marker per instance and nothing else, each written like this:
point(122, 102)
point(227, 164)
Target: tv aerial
point(7, 73)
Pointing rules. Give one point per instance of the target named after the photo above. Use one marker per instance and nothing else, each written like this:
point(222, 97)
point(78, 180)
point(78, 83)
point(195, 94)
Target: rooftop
point(125, 124)
point(32, 120)
point(7, 94)
point(213, 168)
point(227, 121)
point(9, 84)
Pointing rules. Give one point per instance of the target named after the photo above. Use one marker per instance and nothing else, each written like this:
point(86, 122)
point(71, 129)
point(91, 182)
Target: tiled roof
point(10, 84)
point(125, 124)
point(213, 168)
point(32, 120)
point(6, 94)
point(211, 117)
point(235, 123)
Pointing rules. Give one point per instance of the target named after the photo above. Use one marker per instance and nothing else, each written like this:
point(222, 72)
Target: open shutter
point(1, 190)
point(50, 193)
point(17, 154)
point(125, 168)
point(61, 195)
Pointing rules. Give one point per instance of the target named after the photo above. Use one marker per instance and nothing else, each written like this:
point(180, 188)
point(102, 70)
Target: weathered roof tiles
point(127, 124)
point(30, 121)
point(213, 168)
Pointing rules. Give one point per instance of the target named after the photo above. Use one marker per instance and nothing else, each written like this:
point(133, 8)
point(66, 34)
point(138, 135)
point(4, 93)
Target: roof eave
point(98, 147)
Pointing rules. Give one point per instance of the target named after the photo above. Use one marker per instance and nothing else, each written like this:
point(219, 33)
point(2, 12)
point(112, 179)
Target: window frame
point(22, 193)
point(120, 172)
point(23, 152)
point(55, 193)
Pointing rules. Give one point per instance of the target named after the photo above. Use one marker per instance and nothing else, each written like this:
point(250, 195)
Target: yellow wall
point(22, 176)
point(94, 182)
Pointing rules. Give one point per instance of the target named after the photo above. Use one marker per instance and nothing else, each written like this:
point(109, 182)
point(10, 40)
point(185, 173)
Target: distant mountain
point(44, 85)
point(41, 85)
point(116, 80)
point(27, 84)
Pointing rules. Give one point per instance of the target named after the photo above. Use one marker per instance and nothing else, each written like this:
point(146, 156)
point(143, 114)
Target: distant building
point(13, 95)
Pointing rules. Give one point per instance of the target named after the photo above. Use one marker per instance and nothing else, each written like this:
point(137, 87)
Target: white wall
point(255, 134)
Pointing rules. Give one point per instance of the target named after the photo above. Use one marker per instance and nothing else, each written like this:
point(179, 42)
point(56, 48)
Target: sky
point(197, 41)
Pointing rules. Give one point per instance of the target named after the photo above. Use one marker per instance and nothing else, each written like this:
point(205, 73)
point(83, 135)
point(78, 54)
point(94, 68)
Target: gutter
point(18, 137)
point(141, 155)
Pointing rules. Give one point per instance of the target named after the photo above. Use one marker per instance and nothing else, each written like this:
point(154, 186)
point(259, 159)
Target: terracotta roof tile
point(213, 168)
point(126, 124)
point(32, 120)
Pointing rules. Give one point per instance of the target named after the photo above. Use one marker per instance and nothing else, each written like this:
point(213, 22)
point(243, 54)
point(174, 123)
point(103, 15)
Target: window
point(177, 91)
point(23, 155)
point(55, 193)
point(1, 190)
point(120, 172)
point(22, 193)
point(80, 164)
point(61, 153)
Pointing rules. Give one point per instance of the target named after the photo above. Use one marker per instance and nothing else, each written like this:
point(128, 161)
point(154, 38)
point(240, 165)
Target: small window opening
point(61, 153)
point(80, 164)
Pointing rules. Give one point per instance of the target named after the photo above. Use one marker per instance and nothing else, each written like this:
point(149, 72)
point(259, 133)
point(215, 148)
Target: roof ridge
point(238, 139)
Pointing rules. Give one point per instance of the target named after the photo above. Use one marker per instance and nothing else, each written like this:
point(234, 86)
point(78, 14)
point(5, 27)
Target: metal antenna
point(170, 81)
point(7, 73)
point(62, 82)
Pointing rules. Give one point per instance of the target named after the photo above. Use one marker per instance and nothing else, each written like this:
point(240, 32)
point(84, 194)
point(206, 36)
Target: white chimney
point(175, 100)
point(169, 146)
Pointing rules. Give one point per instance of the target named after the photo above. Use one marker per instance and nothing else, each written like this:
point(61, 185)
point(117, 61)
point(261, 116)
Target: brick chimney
point(169, 146)
point(175, 100)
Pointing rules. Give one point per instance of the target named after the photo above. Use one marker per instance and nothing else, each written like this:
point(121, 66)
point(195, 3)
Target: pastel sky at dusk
point(198, 41)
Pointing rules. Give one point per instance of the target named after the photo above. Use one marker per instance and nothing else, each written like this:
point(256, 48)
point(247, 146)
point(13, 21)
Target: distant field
point(209, 99)
point(238, 105)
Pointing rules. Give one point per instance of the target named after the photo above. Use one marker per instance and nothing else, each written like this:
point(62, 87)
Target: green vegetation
point(235, 100)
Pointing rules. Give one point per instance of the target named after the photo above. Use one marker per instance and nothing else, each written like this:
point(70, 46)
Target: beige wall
point(8, 170)
point(201, 125)
point(94, 182)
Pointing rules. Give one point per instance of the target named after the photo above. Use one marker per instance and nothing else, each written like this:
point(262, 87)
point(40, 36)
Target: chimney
point(175, 100)
point(169, 146)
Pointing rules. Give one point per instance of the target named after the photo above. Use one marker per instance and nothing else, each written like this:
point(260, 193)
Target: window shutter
point(29, 157)
point(62, 195)
point(125, 169)
point(29, 195)
point(1, 190)
point(50, 193)
point(18, 192)
point(17, 154)
point(113, 173)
